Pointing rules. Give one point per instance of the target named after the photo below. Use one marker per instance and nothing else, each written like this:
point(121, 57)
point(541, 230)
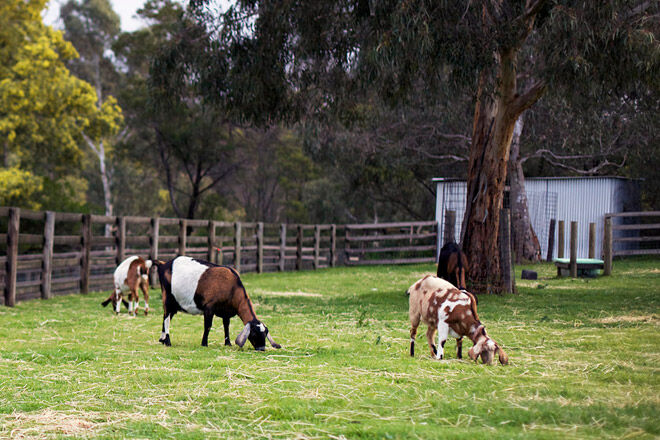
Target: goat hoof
point(165, 341)
point(227, 343)
point(146, 312)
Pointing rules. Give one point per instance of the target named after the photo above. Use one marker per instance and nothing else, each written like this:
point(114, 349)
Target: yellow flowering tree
point(44, 109)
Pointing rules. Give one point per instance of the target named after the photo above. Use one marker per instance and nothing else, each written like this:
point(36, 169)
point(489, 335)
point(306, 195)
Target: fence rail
point(635, 227)
point(51, 253)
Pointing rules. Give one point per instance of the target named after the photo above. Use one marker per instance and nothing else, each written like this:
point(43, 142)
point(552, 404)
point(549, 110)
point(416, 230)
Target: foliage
point(583, 364)
point(18, 188)
point(44, 109)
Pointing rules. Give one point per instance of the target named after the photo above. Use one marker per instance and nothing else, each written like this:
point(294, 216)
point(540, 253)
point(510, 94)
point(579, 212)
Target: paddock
point(583, 363)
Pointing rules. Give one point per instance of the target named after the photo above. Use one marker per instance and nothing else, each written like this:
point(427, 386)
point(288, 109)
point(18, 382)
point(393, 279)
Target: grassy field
point(584, 362)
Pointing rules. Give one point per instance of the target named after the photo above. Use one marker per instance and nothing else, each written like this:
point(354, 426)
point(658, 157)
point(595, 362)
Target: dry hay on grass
point(651, 319)
point(48, 423)
point(299, 293)
point(655, 270)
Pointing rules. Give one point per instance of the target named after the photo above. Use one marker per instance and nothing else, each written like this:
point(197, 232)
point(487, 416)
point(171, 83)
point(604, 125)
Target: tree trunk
point(497, 109)
point(107, 195)
point(525, 242)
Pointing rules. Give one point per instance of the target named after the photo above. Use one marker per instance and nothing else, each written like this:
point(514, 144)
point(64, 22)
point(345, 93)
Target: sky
point(125, 8)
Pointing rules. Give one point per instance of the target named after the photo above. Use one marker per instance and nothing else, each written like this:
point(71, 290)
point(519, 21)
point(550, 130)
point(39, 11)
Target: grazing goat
point(131, 274)
point(453, 265)
point(199, 287)
point(450, 312)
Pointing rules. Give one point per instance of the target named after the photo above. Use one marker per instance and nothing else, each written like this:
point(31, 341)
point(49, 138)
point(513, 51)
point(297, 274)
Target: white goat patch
point(122, 272)
point(186, 273)
point(451, 304)
point(166, 327)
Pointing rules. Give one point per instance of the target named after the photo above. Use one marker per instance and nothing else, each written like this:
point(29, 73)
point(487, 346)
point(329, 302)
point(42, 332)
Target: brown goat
point(450, 312)
point(453, 265)
point(199, 287)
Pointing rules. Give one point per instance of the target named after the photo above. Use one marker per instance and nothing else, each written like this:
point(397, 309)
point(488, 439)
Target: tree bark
point(525, 242)
point(497, 109)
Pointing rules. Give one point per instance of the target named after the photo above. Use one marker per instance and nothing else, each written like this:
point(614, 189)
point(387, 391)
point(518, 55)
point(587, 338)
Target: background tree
point(92, 26)
point(306, 57)
point(44, 110)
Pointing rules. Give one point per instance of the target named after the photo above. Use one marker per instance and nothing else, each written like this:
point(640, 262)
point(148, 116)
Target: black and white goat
point(131, 274)
point(199, 287)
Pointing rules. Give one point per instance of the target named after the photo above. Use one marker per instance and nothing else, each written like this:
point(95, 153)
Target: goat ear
point(242, 336)
point(106, 302)
point(504, 359)
point(473, 355)
point(272, 342)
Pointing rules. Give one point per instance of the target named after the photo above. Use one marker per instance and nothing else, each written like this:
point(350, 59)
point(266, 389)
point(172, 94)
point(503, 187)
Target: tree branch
point(527, 99)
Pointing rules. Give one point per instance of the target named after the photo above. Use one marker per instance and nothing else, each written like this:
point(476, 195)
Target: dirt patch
point(653, 319)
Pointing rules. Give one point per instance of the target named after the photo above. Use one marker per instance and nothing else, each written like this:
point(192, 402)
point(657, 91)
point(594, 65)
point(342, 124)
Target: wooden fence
point(640, 228)
point(391, 243)
point(49, 253)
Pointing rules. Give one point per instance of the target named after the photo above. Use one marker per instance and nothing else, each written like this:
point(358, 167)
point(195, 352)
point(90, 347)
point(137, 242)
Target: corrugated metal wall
point(584, 200)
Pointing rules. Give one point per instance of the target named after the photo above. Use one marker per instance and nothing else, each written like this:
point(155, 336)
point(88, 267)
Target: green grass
point(584, 358)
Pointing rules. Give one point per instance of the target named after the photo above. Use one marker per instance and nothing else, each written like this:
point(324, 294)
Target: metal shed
point(581, 199)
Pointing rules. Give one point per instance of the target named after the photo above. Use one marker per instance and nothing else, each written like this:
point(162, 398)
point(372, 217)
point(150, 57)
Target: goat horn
point(272, 342)
point(504, 359)
point(242, 336)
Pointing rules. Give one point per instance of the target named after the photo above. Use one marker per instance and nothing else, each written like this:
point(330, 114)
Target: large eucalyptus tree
point(301, 59)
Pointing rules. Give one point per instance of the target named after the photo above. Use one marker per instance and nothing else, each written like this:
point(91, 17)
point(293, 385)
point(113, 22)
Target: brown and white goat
point(131, 274)
point(450, 312)
point(199, 287)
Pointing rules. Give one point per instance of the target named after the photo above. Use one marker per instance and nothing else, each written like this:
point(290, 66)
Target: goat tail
point(504, 359)
point(473, 304)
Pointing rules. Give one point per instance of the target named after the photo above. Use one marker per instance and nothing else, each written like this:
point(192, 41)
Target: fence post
point(551, 240)
point(183, 236)
point(260, 247)
point(153, 242)
point(13, 228)
point(333, 245)
point(121, 239)
point(47, 262)
point(592, 240)
point(210, 253)
point(449, 234)
point(573, 256)
point(560, 239)
point(607, 246)
point(505, 249)
point(299, 247)
point(237, 246)
point(85, 257)
point(317, 245)
point(282, 262)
